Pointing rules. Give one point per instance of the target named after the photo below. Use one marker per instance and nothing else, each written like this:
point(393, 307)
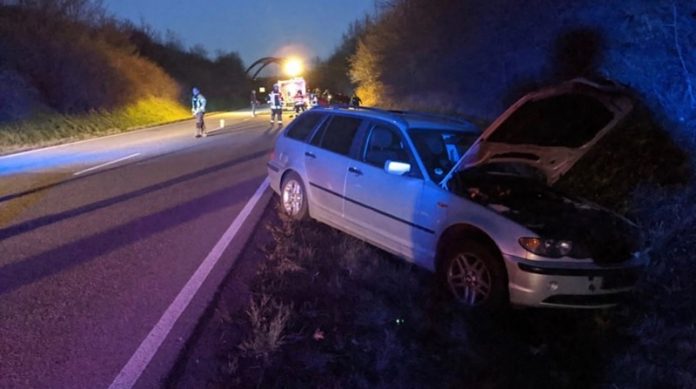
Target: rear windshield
point(569, 120)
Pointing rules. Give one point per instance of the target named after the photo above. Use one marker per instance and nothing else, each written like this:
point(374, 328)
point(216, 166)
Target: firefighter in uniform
point(275, 100)
point(198, 109)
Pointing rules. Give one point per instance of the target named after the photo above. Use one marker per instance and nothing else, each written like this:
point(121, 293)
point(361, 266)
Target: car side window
point(338, 134)
point(440, 150)
point(384, 144)
point(302, 127)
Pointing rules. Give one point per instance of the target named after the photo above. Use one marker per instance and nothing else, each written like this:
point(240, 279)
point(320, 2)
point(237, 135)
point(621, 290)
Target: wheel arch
point(305, 184)
point(460, 230)
point(285, 173)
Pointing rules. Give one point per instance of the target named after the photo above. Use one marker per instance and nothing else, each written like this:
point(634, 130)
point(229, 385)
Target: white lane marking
point(106, 164)
point(137, 363)
point(21, 153)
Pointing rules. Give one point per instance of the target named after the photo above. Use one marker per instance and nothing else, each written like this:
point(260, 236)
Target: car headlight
point(551, 248)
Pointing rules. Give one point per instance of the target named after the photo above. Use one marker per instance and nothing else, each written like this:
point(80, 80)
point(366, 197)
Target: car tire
point(474, 275)
point(293, 197)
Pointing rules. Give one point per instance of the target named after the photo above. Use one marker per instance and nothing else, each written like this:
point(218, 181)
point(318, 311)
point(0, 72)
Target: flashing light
point(293, 67)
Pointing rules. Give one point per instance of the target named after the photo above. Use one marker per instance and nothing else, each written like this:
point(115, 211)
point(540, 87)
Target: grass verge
point(662, 321)
point(52, 128)
point(327, 310)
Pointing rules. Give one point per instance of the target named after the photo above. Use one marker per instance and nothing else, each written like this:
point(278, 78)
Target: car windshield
point(441, 149)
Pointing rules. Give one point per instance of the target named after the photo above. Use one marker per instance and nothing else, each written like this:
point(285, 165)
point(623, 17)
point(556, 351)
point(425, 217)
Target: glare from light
point(293, 67)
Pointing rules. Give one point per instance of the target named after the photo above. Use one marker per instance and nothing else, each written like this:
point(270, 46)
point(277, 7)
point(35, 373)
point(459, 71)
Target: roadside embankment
point(53, 128)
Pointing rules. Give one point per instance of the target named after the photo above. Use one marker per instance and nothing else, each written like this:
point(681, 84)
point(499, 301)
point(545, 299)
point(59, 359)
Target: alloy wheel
point(293, 198)
point(469, 279)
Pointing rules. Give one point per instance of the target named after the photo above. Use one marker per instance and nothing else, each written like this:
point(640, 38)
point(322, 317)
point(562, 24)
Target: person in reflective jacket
point(198, 109)
point(300, 104)
point(275, 100)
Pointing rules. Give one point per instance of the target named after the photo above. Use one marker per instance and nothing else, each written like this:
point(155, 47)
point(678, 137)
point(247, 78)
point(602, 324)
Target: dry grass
point(268, 319)
point(662, 351)
point(52, 128)
point(359, 318)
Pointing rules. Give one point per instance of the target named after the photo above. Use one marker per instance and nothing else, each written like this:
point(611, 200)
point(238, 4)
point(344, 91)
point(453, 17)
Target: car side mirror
point(397, 168)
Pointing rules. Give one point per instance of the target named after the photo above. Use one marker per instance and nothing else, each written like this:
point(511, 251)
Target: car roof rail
point(361, 108)
point(429, 115)
point(400, 114)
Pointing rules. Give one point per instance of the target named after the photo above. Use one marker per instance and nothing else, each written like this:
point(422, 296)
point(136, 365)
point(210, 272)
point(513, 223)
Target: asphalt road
point(97, 239)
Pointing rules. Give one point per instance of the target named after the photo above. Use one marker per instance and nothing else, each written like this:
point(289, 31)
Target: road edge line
point(105, 164)
point(133, 131)
point(138, 362)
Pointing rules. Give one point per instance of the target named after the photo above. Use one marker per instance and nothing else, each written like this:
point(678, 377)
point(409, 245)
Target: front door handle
point(310, 155)
point(355, 170)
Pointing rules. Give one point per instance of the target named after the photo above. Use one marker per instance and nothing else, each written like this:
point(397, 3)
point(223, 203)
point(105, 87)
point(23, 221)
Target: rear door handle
point(310, 155)
point(355, 170)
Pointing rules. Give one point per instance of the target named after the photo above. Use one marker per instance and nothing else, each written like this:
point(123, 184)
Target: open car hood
point(549, 130)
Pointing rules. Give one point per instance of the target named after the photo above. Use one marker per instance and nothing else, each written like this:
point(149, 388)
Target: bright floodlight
point(293, 67)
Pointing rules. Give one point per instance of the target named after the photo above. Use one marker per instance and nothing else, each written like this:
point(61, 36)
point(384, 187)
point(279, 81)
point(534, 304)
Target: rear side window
point(303, 126)
point(338, 134)
point(569, 120)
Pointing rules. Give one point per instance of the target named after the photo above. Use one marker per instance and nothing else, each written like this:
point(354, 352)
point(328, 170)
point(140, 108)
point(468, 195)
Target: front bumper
point(570, 285)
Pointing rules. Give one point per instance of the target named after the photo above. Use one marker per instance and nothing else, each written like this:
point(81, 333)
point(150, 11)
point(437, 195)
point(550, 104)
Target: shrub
point(222, 80)
point(77, 67)
point(476, 57)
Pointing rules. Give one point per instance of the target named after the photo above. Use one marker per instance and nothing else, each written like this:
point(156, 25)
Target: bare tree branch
point(677, 45)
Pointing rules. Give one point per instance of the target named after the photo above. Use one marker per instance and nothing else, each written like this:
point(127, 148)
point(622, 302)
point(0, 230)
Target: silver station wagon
point(476, 207)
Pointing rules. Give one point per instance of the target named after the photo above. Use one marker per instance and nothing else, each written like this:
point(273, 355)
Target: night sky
point(253, 28)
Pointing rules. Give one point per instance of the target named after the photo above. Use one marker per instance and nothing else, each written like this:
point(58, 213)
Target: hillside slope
point(68, 71)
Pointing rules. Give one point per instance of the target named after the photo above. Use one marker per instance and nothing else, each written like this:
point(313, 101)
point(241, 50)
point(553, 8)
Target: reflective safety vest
point(275, 100)
point(198, 103)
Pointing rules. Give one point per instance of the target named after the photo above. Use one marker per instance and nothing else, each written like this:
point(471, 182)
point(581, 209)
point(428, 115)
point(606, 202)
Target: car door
point(381, 206)
point(326, 163)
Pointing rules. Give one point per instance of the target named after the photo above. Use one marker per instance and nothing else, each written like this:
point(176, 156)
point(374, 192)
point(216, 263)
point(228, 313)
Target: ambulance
point(288, 88)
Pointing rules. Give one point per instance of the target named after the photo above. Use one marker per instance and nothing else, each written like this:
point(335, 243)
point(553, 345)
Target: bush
point(19, 98)
point(332, 73)
point(476, 57)
point(77, 67)
point(223, 80)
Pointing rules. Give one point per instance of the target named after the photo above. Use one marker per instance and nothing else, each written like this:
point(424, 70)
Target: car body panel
point(393, 218)
point(409, 214)
point(325, 183)
point(551, 160)
point(595, 284)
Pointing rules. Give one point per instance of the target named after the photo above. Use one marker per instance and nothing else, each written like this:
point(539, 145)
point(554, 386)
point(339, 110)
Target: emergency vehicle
point(289, 88)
